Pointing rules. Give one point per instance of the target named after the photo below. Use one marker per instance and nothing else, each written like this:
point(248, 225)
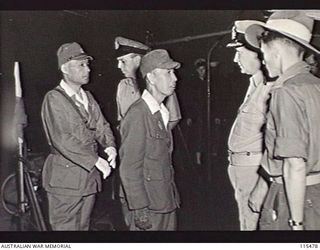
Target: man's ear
point(276, 48)
point(64, 68)
point(137, 59)
point(150, 78)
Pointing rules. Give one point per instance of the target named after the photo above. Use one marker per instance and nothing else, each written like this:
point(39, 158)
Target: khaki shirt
point(127, 93)
point(247, 131)
point(293, 122)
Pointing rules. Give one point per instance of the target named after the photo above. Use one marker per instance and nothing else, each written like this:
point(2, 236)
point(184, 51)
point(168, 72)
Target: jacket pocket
point(158, 184)
point(157, 170)
point(158, 145)
point(65, 174)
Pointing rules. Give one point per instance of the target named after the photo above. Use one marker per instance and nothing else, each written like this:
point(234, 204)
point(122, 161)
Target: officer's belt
point(244, 158)
point(56, 152)
point(310, 180)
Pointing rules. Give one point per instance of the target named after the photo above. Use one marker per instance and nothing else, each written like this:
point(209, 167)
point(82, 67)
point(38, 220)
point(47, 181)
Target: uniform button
point(67, 165)
point(148, 178)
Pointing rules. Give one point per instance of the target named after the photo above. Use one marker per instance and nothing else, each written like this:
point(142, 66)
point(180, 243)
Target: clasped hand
point(104, 167)
point(142, 219)
point(112, 155)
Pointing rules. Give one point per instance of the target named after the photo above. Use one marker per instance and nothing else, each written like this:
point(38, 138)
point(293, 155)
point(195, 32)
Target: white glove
point(112, 153)
point(104, 167)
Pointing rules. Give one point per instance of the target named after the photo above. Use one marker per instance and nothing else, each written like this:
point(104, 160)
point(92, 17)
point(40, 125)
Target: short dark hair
point(269, 36)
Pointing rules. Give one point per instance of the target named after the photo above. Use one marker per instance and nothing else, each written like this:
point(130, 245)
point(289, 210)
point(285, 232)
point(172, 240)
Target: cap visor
point(234, 45)
point(124, 56)
point(82, 57)
point(170, 65)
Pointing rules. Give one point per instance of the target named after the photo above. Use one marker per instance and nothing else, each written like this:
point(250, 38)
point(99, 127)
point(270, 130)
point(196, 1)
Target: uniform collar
point(83, 99)
point(154, 106)
point(257, 78)
point(132, 81)
point(151, 102)
point(297, 68)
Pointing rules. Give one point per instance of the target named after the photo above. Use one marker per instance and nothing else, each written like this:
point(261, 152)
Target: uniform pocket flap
point(65, 174)
point(157, 172)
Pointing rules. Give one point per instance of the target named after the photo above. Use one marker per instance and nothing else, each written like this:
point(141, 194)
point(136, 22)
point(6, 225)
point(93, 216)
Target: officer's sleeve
point(172, 105)
point(118, 100)
point(59, 130)
point(133, 136)
point(291, 125)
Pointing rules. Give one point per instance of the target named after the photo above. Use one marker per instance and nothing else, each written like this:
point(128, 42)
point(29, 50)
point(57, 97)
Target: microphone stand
point(209, 91)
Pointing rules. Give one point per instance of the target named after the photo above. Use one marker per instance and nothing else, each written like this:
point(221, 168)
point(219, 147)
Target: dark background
point(33, 37)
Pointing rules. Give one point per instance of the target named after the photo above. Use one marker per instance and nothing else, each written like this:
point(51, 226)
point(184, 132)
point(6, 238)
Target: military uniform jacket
point(146, 170)
point(70, 167)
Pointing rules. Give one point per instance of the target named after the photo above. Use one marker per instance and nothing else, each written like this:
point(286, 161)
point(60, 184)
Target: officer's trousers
point(70, 213)
point(243, 180)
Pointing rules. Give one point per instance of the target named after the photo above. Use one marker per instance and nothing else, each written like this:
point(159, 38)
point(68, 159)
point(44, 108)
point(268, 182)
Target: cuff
point(290, 147)
point(97, 161)
point(110, 151)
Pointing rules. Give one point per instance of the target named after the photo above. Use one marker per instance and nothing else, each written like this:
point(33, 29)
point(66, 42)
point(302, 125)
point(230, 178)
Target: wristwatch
point(293, 223)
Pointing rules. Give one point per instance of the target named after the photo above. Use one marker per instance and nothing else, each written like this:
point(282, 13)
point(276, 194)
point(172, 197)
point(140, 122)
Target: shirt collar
point(132, 81)
point(257, 78)
point(70, 92)
point(151, 102)
point(154, 106)
point(297, 68)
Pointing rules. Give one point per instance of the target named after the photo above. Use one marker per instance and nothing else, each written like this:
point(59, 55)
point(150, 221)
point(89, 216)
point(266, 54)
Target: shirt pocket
point(253, 110)
point(252, 120)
